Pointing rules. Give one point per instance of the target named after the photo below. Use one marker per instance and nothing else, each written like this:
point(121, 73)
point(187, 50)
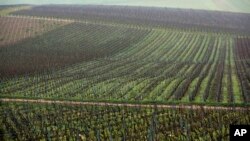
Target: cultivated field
point(119, 57)
point(121, 54)
point(19, 28)
point(191, 20)
point(65, 122)
point(241, 6)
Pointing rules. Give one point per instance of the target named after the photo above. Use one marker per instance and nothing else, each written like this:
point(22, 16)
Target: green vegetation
point(138, 60)
point(24, 121)
point(68, 44)
point(148, 61)
point(132, 73)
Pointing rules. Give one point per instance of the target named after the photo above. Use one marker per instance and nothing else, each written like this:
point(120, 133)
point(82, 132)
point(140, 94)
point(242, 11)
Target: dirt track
point(124, 104)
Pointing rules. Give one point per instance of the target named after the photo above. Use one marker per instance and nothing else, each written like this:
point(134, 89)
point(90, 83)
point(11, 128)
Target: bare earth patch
point(14, 29)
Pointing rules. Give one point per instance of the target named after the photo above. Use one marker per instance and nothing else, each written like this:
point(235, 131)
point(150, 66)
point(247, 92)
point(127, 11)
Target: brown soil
point(15, 29)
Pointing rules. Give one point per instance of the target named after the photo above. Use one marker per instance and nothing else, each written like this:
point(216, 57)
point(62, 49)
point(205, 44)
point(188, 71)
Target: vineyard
point(192, 20)
point(23, 121)
point(68, 44)
point(91, 61)
point(122, 54)
point(17, 29)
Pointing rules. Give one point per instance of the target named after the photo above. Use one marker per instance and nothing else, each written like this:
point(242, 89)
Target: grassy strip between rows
point(180, 103)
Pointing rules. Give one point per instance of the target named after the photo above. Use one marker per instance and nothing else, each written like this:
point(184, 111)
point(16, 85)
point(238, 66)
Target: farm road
point(194, 107)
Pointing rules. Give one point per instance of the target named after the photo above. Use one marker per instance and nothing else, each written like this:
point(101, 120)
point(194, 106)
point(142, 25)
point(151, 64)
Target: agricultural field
point(192, 20)
point(19, 28)
point(68, 44)
point(145, 59)
point(124, 55)
point(78, 122)
point(239, 6)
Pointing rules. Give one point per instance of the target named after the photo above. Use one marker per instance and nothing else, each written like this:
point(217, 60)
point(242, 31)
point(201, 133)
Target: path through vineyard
point(193, 107)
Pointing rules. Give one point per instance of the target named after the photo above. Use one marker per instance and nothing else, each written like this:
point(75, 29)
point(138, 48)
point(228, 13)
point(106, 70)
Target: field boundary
point(99, 23)
point(164, 106)
point(123, 25)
